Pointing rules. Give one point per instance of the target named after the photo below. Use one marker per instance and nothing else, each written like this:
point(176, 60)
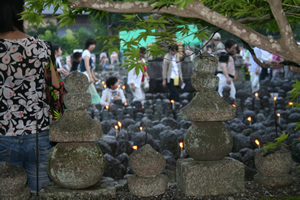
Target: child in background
point(112, 92)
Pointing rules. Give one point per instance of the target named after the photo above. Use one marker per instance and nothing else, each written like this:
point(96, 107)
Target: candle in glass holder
point(249, 119)
point(181, 149)
point(257, 143)
point(173, 104)
point(116, 127)
point(120, 125)
point(274, 101)
point(278, 115)
point(135, 147)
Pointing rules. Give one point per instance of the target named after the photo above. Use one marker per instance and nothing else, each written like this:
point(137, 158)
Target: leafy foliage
point(294, 96)
point(256, 14)
point(279, 142)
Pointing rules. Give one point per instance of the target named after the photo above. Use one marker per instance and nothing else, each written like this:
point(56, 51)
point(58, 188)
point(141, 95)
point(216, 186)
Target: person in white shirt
point(135, 81)
point(171, 73)
point(266, 57)
point(58, 53)
point(112, 92)
point(254, 70)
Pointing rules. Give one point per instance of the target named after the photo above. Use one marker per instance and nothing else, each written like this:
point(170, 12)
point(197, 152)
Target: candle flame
point(143, 107)
point(291, 103)
point(257, 142)
point(274, 98)
point(119, 85)
point(181, 144)
point(103, 82)
point(256, 94)
point(125, 103)
point(135, 147)
point(106, 107)
point(104, 86)
point(249, 119)
point(278, 114)
point(120, 124)
point(234, 105)
point(116, 127)
point(123, 87)
point(172, 101)
point(141, 128)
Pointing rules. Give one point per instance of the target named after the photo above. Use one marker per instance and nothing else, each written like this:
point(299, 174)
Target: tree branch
point(198, 10)
point(253, 19)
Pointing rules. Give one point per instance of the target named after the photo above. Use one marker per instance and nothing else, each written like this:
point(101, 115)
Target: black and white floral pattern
point(23, 106)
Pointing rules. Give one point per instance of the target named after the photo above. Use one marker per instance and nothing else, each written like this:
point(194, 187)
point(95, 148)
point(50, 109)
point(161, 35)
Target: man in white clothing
point(254, 70)
point(135, 81)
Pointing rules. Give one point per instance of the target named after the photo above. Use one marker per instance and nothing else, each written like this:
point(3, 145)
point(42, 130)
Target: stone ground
point(253, 191)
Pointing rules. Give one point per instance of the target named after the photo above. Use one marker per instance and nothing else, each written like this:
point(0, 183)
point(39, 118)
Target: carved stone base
point(103, 190)
point(202, 178)
point(147, 186)
point(274, 181)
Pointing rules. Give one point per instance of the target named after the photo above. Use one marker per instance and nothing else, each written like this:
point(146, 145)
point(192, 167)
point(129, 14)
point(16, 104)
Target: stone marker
point(208, 140)
point(147, 164)
point(274, 168)
point(76, 162)
point(13, 181)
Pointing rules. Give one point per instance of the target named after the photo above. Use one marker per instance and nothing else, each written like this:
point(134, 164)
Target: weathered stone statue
point(208, 140)
point(76, 162)
point(13, 181)
point(147, 165)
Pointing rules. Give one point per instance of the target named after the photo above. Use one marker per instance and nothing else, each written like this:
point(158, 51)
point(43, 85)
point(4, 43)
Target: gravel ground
point(252, 191)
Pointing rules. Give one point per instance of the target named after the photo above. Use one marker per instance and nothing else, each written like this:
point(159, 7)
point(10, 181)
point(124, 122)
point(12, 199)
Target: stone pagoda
point(76, 162)
point(208, 140)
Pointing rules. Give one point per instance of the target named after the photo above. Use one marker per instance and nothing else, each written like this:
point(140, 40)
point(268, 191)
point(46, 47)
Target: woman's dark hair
point(10, 15)
point(89, 42)
point(56, 47)
point(111, 81)
point(173, 47)
point(142, 50)
point(229, 44)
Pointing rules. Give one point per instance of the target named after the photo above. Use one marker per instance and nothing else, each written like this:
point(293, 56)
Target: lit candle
point(234, 105)
point(141, 128)
point(135, 147)
point(249, 119)
point(257, 143)
point(181, 149)
point(256, 94)
point(274, 100)
point(119, 85)
point(106, 107)
point(123, 87)
point(104, 86)
point(173, 104)
point(120, 125)
point(278, 115)
point(116, 127)
point(125, 104)
point(103, 82)
point(291, 103)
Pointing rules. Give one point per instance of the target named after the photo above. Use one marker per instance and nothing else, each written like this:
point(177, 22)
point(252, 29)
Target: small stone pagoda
point(147, 165)
point(76, 162)
point(208, 140)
